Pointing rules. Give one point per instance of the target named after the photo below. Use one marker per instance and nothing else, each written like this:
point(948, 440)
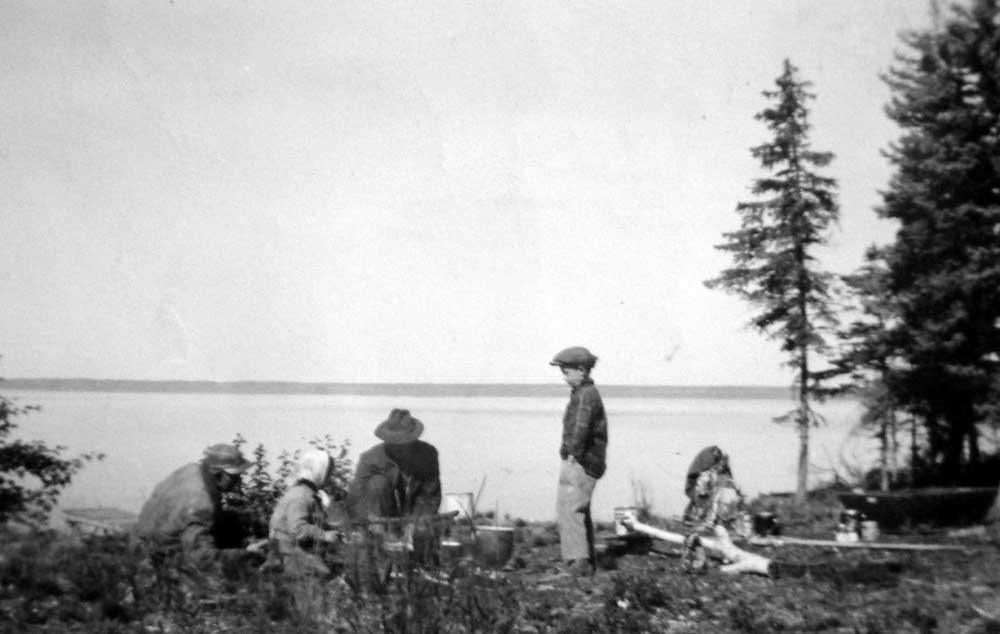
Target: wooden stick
point(406, 519)
point(475, 501)
point(719, 547)
point(801, 541)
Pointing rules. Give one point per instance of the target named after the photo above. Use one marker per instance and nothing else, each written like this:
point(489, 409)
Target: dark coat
point(395, 480)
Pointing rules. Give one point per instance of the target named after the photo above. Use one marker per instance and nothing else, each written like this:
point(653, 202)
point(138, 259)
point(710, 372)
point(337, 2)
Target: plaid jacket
point(585, 429)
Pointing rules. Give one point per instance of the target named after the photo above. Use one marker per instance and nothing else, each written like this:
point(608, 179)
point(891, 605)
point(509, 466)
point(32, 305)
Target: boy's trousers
point(576, 530)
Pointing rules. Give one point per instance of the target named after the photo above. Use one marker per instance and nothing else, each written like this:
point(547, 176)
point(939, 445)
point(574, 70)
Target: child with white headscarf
point(297, 529)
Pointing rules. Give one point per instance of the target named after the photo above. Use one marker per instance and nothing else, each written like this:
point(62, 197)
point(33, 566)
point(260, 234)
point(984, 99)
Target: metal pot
point(765, 523)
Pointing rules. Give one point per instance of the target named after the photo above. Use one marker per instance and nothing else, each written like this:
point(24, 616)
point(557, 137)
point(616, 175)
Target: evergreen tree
point(773, 263)
point(869, 356)
point(944, 266)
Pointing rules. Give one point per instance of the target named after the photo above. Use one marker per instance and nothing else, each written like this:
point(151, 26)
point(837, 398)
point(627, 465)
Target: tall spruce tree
point(774, 267)
point(944, 266)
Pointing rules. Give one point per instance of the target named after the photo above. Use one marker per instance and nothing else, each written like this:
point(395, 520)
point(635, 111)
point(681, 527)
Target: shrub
point(32, 474)
point(261, 488)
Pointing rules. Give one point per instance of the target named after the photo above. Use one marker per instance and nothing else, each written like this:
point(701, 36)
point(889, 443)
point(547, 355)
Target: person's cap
point(228, 458)
point(574, 357)
point(399, 428)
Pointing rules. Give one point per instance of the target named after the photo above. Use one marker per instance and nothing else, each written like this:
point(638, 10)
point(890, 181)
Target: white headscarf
point(313, 466)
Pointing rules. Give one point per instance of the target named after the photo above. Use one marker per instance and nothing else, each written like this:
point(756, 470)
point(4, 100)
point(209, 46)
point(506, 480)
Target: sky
point(411, 191)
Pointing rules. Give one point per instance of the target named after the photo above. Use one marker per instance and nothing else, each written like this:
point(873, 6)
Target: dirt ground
point(814, 589)
point(100, 585)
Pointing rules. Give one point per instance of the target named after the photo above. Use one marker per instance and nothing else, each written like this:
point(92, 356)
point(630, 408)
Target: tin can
point(851, 520)
point(623, 515)
point(869, 531)
point(744, 525)
point(460, 502)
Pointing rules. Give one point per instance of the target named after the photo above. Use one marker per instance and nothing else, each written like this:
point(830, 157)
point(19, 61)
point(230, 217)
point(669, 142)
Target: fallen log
point(970, 531)
point(801, 541)
point(718, 547)
point(99, 521)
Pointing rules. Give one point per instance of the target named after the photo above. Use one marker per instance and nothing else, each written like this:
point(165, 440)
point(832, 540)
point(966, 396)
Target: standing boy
point(583, 449)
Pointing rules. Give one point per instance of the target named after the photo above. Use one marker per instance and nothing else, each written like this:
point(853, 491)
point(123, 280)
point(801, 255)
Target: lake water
point(511, 442)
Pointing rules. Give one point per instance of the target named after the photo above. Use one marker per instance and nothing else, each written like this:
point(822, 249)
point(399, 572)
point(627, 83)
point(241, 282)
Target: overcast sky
point(409, 191)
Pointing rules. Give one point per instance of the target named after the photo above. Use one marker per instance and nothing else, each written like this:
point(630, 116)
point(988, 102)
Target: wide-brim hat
point(228, 458)
point(574, 357)
point(399, 428)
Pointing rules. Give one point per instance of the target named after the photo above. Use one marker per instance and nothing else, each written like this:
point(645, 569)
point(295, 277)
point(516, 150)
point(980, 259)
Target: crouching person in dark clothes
point(298, 535)
point(399, 478)
point(182, 523)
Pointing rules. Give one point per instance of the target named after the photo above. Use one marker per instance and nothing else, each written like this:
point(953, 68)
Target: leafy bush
point(262, 487)
point(53, 584)
point(48, 583)
point(32, 474)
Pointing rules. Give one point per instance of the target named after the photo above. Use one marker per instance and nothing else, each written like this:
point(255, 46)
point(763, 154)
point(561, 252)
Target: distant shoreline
point(392, 389)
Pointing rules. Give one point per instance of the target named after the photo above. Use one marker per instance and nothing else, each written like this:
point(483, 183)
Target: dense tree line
point(920, 340)
point(930, 335)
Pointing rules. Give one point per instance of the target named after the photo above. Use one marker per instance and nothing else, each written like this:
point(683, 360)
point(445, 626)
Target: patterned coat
point(296, 529)
point(585, 429)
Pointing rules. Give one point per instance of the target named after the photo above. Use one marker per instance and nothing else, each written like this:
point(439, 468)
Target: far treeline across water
point(526, 390)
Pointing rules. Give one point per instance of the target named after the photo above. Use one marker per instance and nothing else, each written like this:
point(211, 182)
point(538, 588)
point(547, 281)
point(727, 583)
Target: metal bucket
point(494, 545)
point(461, 502)
point(451, 551)
point(625, 513)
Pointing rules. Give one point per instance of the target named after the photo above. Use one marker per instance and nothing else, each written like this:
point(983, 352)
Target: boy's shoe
point(574, 569)
point(580, 568)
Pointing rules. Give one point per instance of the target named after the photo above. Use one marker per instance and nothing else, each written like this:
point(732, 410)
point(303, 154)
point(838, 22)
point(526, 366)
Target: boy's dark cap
point(574, 357)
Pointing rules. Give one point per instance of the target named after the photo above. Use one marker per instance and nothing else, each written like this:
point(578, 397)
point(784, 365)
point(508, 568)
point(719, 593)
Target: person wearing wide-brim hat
point(184, 513)
point(583, 450)
point(399, 477)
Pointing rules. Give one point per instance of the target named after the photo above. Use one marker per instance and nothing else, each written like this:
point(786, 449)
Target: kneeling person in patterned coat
point(298, 531)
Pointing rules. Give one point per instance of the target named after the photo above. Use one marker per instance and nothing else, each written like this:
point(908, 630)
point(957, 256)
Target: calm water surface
point(511, 443)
